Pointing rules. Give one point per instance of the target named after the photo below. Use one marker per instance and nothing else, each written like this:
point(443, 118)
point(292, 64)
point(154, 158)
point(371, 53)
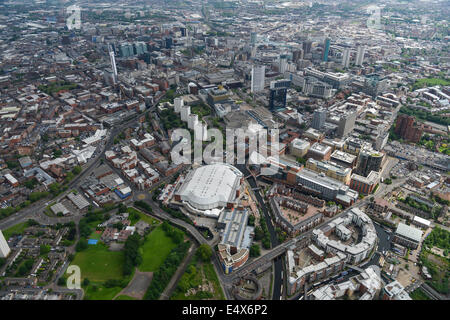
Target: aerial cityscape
point(239, 150)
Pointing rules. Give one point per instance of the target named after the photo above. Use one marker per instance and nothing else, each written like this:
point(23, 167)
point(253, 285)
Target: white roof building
point(98, 136)
point(11, 179)
point(421, 222)
point(59, 207)
point(211, 186)
point(409, 232)
point(395, 291)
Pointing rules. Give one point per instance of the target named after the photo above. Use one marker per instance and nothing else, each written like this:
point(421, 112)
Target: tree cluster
point(132, 255)
point(165, 272)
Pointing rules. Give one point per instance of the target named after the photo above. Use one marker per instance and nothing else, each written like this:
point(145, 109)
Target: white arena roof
point(211, 186)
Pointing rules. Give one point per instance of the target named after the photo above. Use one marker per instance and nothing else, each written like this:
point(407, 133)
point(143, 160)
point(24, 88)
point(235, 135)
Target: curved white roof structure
point(211, 186)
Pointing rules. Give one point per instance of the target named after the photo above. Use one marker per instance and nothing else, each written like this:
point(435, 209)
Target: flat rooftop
point(409, 232)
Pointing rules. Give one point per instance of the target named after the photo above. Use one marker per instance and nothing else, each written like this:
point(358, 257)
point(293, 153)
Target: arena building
point(209, 189)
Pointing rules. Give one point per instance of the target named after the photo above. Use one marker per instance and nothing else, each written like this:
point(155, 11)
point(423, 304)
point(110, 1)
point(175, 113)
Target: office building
point(368, 161)
point(319, 118)
point(343, 158)
point(253, 38)
point(219, 95)
point(140, 48)
point(360, 51)
point(299, 147)
point(278, 93)
point(326, 49)
point(375, 85)
point(307, 46)
point(258, 78)
point(320, 185)
point(319, 151)
point(330, 169)
point(346, 58)
point(314, 135)
point(192, 88)
point(282, 66)
point(346, 123)
point(365, 185)
point(353, 145)
point(336, 144)
point(315, 88)
point(297, 55)
point(336, 79)
point(126, 50)
point(168, 42)
point(222, 109)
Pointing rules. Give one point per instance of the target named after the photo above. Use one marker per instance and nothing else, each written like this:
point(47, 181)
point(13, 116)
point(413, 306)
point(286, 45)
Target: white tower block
point(4, 247)
point(185, 112)
point(201, 131)
point(192, 121)
point(179, 103)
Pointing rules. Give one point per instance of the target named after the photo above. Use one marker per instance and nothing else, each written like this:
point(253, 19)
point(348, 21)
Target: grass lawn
point(17, 229)
point(431, 82)
point(142, 216)
point(94, 224)
point(124, 297)
point(96, 291)
point(97, 263)
point(95, 235)
point(418, 294)
point(155, 249)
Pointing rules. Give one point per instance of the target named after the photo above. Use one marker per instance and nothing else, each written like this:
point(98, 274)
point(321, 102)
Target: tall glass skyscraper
point(278, 93)
point(326, 49)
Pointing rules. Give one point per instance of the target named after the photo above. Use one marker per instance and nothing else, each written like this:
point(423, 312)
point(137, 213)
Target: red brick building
point(407, 129)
